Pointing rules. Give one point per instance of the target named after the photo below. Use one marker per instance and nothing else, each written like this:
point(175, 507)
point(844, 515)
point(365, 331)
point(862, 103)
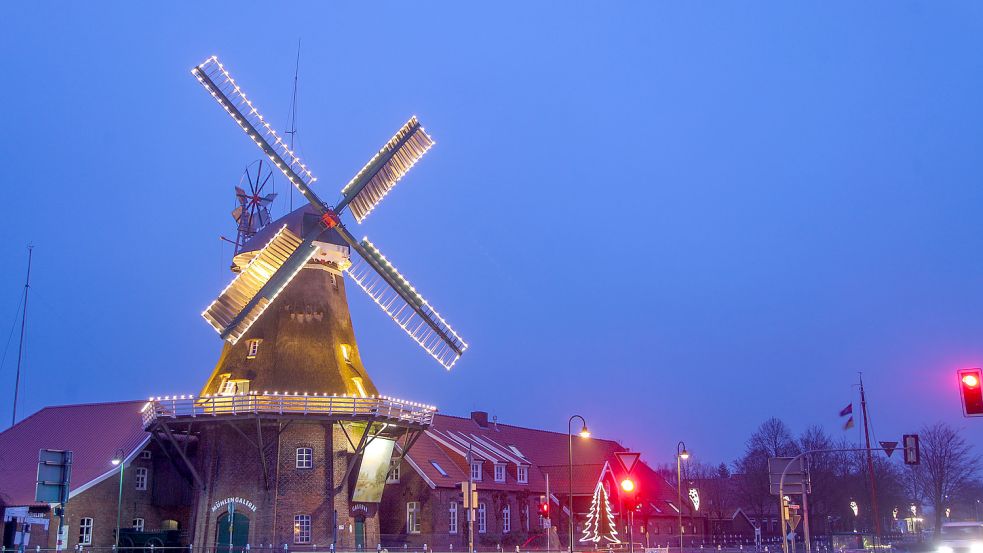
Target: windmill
point(253, 211)
point(271, 269)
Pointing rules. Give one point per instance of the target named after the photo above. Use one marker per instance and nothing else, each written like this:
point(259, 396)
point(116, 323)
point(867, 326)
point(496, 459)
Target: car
point(961, 537)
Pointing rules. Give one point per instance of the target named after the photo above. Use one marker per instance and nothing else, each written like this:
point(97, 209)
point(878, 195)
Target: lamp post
point(681, 455)
point(584, 433)
point(118, 461)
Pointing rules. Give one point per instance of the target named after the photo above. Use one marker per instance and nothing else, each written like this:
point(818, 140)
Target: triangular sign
point(793, 523)
point(627, 459)
point(889, 447)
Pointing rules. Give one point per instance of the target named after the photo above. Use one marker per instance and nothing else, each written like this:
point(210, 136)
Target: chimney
point(480, 417)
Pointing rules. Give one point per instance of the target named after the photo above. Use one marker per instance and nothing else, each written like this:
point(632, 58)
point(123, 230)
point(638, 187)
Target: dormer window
point(359, 387)
point(522, 474)
point(252, 348)
point(233, 386)
point(346, 353)
point(476, 470)
point(499, 472)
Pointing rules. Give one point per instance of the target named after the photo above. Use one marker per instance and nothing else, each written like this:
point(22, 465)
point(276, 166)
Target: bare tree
point(948, 466)
point(771, 439)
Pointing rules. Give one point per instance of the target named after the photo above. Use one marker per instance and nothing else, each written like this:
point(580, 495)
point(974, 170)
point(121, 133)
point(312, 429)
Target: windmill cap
point(298, 221)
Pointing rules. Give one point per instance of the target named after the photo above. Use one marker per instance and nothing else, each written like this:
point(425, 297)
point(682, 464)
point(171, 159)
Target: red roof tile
point(92, 432)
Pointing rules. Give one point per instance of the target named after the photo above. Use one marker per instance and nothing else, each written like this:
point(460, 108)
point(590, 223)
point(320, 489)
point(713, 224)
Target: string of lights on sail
point(409, 310)
point(223, 313)
point(371, 184)
point(220, 84)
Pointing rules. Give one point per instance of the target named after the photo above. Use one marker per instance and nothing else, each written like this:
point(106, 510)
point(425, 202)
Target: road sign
point(54, 476)
point(912, 452)
point(889, 447)
point(797, 479)
point(627, 459)
point(793, 522)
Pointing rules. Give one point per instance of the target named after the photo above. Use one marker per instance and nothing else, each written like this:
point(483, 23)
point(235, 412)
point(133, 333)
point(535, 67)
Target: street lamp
point(584, 433)
point(118, 461)
point(681, 455)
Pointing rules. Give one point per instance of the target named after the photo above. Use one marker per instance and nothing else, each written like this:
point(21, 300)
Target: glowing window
point(413, 517)
point(253, 346)
point(302, 528)
point(346, 353)
point(359, 387)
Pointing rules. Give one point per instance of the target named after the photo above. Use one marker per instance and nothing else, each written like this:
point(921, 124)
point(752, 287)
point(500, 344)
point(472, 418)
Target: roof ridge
point(440, 414)
point(93, 404)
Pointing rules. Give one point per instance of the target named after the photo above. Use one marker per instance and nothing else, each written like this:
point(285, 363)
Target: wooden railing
point(383, 408)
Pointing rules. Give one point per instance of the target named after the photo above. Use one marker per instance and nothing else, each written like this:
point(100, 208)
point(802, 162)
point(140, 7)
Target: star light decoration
point(694, 497)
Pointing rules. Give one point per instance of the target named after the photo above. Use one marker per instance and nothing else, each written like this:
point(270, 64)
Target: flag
point(849, 424)
point(848, 410)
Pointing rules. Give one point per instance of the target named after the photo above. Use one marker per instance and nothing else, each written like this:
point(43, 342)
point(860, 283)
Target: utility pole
point(23, 321)
point(549, 525)
point(470, 502)
point(870, 466)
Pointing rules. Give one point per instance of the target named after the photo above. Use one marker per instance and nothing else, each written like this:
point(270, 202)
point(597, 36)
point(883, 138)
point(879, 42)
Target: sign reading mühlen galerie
point(223, 502)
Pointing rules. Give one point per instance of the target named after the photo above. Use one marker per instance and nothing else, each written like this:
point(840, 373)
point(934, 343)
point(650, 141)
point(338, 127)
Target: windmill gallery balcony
point(276, 405)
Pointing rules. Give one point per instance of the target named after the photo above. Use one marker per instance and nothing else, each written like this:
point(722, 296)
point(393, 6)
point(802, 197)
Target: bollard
point(152, 548)
point(332, 548)
point(191, 549)
point(314, 546)
point(285, 547)
point(517, 549)
point(378, 548)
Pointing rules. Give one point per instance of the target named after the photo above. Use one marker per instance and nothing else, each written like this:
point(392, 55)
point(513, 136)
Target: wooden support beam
point(184, 457)
point(262, 453)
point(177, 467)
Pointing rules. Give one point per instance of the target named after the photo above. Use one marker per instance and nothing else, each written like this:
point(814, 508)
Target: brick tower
point(289, 441)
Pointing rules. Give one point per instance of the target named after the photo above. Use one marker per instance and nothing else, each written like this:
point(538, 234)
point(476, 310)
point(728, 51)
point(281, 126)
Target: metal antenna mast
point(23, 320)
point(293, 117)
point(870, 464)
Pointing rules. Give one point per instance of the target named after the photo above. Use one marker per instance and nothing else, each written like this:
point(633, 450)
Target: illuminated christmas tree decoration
point(600, 523)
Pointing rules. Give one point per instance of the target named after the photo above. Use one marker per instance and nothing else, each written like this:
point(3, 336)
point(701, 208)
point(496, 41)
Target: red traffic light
point(971, 391)
point(628, 485)
point(544, 509)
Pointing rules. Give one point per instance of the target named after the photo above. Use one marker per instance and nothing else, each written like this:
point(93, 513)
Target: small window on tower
point(359, 387)
point(253, 348)
point(346, 353)
point(334, 281)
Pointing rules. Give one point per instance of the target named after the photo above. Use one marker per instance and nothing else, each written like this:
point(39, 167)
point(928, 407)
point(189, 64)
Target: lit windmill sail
point(396, 296)
point(384, 170)
point(239, 306)
point(231, 313)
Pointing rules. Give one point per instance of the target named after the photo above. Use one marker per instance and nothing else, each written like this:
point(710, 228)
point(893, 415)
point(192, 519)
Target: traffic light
point(912, 451)
point(971, 391)
point(628, 485)
point(544, 510)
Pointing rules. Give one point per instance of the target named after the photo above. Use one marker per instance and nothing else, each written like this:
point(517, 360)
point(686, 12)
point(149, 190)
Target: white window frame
point(482, 518)
point(138, 524)
point(522, 474)
point(500, 472)
point(476, 470)
point(302, 528)
point(525, 514)
point(452, 520)
point(85, 530)
point(253, 348)
point(304, 458)
point(145, 454)
point(142, 476)
point(413, 517)
point(507, 519)
point(393, 477)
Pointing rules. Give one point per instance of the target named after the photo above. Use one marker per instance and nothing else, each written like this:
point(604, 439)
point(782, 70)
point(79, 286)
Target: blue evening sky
point(676, 219)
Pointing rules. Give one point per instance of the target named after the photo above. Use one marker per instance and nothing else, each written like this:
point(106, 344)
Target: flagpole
point(870, 466)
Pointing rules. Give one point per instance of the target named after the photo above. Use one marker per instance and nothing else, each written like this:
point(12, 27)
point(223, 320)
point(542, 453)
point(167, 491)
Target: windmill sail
point(375, 275)
point(213, 76)
point(384, 170)
point(255, 288)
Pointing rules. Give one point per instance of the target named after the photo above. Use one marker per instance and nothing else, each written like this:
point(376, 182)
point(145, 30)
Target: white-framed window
point(305, 458)
point(522, 474)
point(145, 454)
point(413, 517)
point(253, 348)
point(499, 472)
point(141, 478)
point(482, 519)
point(507, 519)
point(476, 471)
point(525, 516)
point(138, 524)
point(393, 475)
point(302, 528)
point(334, 280)
point(452, 520)
point(85, 531)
